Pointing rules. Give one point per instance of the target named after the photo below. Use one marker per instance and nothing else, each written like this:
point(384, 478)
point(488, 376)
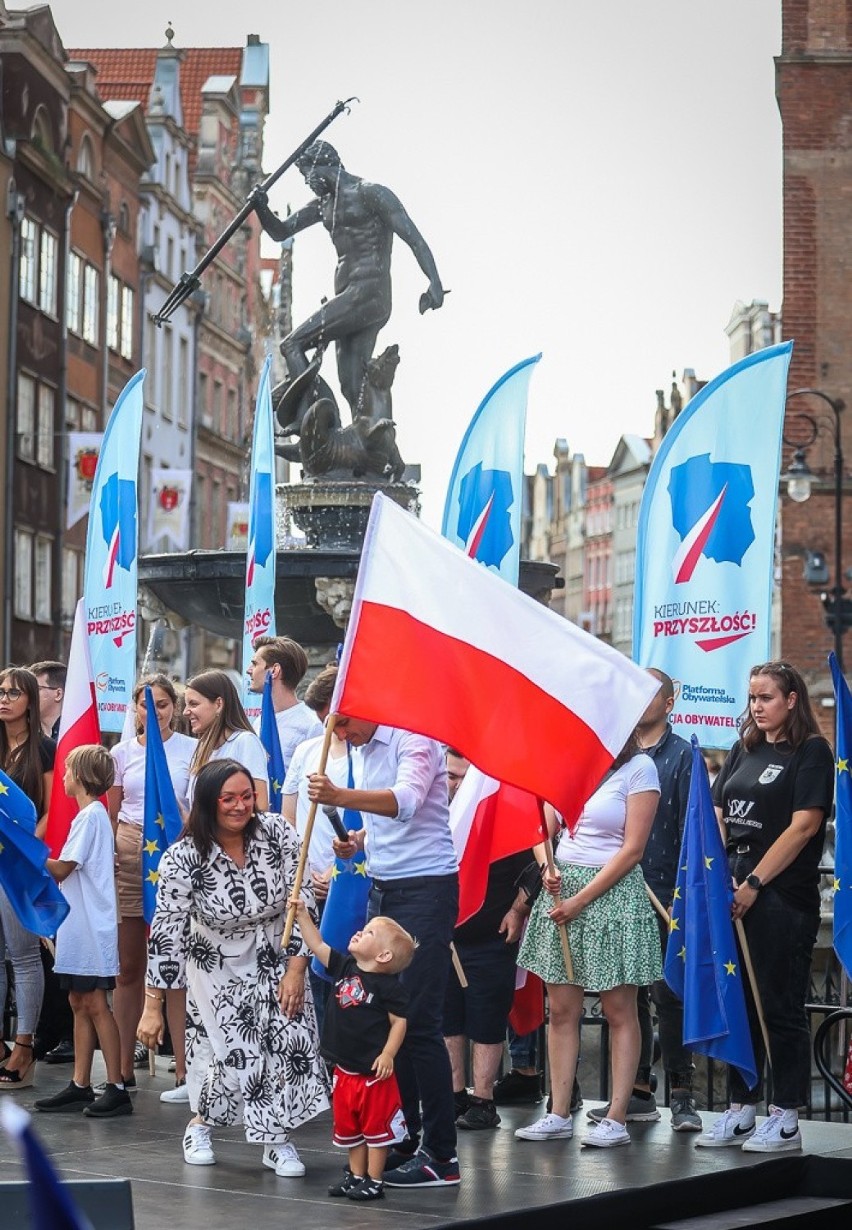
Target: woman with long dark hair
point(27, 756)
point(218, 720)
point(252, 1046)
point(772, 796)
point(613, 939)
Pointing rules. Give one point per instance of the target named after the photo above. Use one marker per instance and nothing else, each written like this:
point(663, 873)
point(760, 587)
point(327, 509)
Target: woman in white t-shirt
point(127, 812)
point(612, 935)
point(218, 720)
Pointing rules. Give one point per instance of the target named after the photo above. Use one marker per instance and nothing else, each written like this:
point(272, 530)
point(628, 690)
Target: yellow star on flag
point(160, 821)
point(842, 765)
point(151, 847)
point(708, 862)
point(152, 877)
point(730, 967)
point(674, 925)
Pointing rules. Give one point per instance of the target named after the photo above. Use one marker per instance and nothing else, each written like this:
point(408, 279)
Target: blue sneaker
point(423, 1170)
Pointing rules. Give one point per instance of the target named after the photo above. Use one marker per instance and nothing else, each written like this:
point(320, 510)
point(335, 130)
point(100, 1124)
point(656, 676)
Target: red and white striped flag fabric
point(438, 645)
point(78, 725)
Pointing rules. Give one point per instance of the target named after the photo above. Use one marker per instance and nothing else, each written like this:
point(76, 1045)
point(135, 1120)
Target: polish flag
point(489, 821)
point(438, 645)
point(77, 725)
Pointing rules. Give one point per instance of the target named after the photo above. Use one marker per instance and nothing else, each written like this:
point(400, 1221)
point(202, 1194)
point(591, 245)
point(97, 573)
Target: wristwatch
point(754, 882)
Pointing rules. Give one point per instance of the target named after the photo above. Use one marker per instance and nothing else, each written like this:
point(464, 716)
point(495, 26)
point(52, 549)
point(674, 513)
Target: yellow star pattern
point(730, 967)
point(152, 877)
point(674, 925)
point(151, 847)
point(842, 765)
point(160, 821)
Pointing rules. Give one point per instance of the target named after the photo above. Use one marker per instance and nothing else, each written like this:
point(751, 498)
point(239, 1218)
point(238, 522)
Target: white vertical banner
point(168, 506)
point(84, 448)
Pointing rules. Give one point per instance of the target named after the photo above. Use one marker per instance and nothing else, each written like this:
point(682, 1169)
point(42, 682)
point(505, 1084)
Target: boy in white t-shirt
point(87, 942)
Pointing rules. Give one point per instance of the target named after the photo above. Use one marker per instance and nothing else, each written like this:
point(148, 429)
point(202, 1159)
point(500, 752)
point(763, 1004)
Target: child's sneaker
point(778, 1134)
point(197, 1146)
point(606, 1135)
point(730, 1129)
point(367, 1189)
point(284, 1160)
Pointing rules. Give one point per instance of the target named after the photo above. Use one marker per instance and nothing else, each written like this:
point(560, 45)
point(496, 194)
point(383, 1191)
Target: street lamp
point(799, 479)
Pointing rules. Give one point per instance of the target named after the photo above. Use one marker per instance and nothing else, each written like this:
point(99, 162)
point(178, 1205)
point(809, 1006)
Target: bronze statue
point(362, 219)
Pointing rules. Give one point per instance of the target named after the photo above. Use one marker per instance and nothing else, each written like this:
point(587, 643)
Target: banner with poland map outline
point(706, 542)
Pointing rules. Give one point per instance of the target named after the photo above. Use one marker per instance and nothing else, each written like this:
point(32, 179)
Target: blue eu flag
point(346, 906)
point(33, 893)
point(702, 963)
point(272, 746)
point(162, 822)
point(843, 821)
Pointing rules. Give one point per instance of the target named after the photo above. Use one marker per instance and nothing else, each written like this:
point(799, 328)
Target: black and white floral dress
point(221, 925)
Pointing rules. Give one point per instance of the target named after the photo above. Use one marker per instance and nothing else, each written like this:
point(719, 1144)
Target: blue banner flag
point(482, 514)
point(161, 823)
point(260, 553)
point(706, 543)
point(51, 1206)
point(346, 905)
point(112, 542)
point(33, 893)
point(702, 963)
point(272, 746)
point(843, 820)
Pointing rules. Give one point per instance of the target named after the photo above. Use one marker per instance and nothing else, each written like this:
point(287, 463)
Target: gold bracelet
point(161, 999)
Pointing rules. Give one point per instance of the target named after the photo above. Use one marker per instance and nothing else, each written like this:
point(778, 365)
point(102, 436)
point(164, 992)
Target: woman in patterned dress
point(612, 935)
point(252, 1047)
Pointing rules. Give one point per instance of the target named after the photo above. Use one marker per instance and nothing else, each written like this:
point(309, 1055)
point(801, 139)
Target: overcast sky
point(597, 181)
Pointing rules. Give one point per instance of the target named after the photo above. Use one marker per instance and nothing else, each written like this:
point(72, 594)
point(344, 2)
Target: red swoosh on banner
point(719, 642)
point(690, 549)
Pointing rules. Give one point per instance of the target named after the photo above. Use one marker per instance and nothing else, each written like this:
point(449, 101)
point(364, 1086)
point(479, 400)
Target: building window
point(28, 260)
point(113, 294)
point(128, 300)
point(26, 424)
point(47, 273)
point(43, 561)
point(23, 574)
point(90, 305)
point(44, 437)
point(72, 293)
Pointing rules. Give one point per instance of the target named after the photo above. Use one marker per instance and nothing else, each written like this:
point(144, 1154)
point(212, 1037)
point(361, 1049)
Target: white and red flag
point(438, 645)
point(78, 725)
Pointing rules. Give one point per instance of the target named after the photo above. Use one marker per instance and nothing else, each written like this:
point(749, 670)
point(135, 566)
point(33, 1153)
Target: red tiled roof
point(126, 73)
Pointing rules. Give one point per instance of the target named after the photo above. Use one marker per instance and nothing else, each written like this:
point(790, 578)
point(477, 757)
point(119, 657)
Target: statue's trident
point(190, 282)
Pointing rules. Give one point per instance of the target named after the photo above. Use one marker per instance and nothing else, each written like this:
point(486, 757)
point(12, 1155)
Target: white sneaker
point(777, 1134)
point(607, 1134)
point(550, 1127)
point(284, 1160)
point(731, 1128)
point(180, 1093)
point(197, 1147)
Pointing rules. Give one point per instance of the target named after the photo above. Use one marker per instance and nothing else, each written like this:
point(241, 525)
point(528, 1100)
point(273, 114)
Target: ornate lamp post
point(800, 479)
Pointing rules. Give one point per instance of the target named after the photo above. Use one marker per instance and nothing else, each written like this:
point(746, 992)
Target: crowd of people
point(417, 1009)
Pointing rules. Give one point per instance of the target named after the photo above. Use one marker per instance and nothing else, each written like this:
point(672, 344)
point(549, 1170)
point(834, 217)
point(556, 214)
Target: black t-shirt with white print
point(356, 1024)
point(758, 792)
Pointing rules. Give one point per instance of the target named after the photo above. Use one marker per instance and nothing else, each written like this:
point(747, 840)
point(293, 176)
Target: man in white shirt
point(412, 861)
point(286, 662)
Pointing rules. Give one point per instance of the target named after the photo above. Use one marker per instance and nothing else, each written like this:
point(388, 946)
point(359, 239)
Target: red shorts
point(366, 1109)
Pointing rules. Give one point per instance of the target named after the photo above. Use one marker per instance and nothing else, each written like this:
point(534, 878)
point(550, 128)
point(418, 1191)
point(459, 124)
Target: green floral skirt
point(615, 941)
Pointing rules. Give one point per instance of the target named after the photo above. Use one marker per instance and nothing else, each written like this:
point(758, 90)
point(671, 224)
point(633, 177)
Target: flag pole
point(561, 927)
point(744, 948)
point(330, 724)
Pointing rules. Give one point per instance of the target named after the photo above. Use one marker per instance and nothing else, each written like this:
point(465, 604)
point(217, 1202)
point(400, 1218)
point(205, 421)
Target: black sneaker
point(518, 1089)
point(461, 1099)
point(72, 1097)
point(111, 1104)
point(344, 1187)
point(423, 1170)
point(480, 1115)
point(367, 1189)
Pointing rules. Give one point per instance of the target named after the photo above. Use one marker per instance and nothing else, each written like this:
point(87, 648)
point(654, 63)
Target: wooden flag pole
point(744, 949)
point(562, 927)
point(331, 722)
